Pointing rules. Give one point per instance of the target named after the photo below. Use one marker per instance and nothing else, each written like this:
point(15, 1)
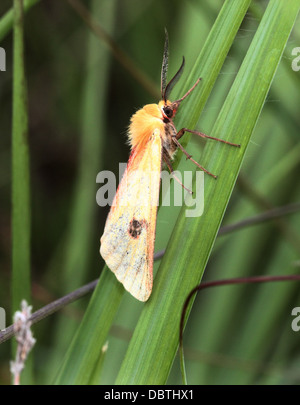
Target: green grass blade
point(226, 310)
point(81, 233)
point(6, 22)
point(81, 358)
point(154, 343)
point(20, 171)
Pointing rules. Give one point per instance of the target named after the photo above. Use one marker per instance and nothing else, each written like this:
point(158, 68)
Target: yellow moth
point(127, 244)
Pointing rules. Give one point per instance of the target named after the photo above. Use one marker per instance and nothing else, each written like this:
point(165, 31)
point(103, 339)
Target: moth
point(127, 244)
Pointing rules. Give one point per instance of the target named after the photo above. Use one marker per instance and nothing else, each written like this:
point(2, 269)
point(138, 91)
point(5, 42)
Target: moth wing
point(127, 244)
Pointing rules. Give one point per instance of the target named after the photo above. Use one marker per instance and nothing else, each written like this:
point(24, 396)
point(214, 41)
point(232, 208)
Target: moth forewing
point(127, 244)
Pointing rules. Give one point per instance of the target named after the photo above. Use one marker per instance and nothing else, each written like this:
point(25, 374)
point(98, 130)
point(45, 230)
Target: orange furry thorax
point(143, 123)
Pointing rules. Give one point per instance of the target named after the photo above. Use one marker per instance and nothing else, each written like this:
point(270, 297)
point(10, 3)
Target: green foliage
point(80, 101)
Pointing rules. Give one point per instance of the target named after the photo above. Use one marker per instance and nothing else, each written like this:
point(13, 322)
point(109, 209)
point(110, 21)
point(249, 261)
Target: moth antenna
point(164, 68)
point(173, 81)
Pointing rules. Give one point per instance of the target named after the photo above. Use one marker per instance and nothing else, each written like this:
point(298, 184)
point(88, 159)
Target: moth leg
point(188, 156)
point(167, 160)
point(183, 130)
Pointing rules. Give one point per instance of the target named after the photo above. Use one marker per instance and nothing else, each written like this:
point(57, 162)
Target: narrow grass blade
point(81, 235)
point(6, 21)
point(20, 171)
point(81, 358)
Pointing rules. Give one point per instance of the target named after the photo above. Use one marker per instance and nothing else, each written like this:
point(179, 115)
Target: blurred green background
point(80, 102)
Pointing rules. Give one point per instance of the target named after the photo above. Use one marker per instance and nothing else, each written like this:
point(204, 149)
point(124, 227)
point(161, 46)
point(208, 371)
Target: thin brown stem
point(231, 281)
point(51, 308)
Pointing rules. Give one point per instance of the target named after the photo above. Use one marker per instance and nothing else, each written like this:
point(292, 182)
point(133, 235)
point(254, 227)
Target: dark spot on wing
point(135, 228)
